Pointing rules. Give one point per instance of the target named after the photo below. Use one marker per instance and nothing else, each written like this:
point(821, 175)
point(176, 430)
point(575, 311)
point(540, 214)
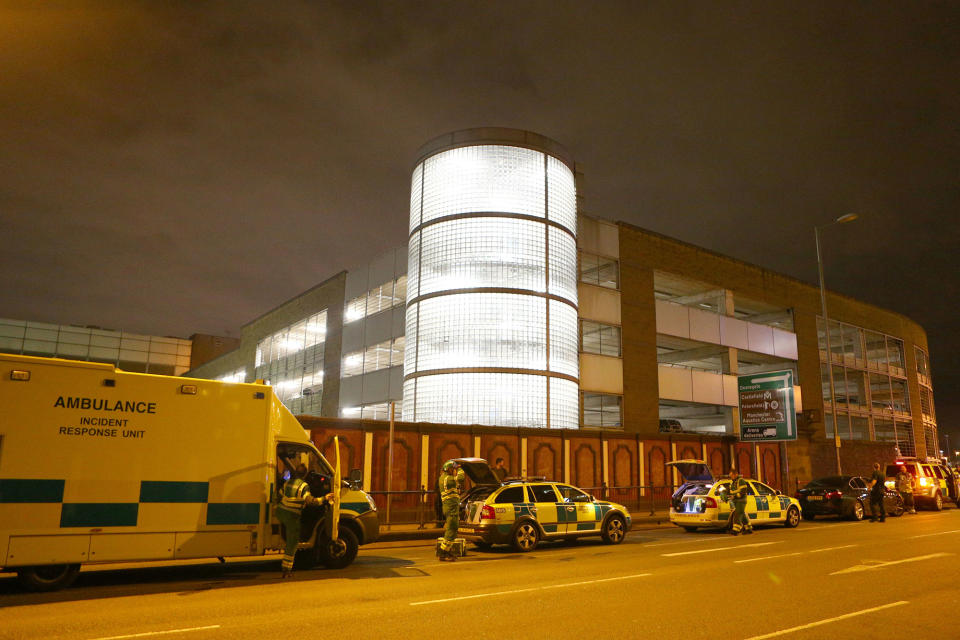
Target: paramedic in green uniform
point(450, 483)
point(294, 496)
point(877, 509)
point(739, 521)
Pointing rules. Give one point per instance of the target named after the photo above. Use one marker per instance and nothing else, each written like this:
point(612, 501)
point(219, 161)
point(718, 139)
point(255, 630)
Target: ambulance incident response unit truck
point(98, 465)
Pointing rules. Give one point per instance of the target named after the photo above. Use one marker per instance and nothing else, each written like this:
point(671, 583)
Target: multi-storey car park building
point(478, 320)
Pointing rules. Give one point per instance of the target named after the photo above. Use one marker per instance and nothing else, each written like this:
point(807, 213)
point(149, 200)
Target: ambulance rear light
point(709, 503)
point(899, 462)
point(22, 376)
point(922, 481)
point(487, 513)
point(188, 389)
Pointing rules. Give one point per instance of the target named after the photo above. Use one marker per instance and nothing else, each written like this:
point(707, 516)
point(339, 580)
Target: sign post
point(768, 412)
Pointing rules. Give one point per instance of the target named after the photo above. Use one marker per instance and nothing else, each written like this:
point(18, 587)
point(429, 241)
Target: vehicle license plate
point(814, 497)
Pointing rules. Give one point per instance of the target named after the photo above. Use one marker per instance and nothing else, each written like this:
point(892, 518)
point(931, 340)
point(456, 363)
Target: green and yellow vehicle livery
point(100, 465)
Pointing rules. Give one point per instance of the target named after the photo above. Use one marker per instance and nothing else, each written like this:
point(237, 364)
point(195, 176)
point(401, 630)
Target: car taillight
point(831, 495)
point(923, 482)
point(709, 503)
point(487, 513)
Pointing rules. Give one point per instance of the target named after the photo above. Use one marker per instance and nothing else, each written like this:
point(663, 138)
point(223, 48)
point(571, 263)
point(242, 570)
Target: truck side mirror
point(356, 478)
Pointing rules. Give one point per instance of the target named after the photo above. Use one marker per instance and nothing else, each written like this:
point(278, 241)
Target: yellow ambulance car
point(98, 465)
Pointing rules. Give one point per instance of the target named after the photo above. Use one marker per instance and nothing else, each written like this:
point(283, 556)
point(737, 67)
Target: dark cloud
point(173, 167)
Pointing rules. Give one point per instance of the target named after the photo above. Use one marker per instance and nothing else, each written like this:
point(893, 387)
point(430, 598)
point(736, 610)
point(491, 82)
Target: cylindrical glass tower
point(491, 334)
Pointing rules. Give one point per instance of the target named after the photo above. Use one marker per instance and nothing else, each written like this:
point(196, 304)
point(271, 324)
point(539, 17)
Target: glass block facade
point(491, 324)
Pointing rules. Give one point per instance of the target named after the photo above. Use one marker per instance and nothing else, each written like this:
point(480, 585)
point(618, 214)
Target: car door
point(545, 503)
point(580, 505)
point(767, 503)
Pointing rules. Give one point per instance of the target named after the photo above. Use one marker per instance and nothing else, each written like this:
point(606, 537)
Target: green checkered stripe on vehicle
point(124, 514)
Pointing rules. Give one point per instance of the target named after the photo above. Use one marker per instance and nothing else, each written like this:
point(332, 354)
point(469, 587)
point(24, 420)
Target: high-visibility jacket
point(450, 486)
point(295, 494)
point(738, 489)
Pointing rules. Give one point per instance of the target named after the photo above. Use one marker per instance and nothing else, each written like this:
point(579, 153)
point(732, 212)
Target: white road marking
point(880, 565)
point(941, 533)
point(711, 550)
point(667, 544)
point(846, 546)
point(782, 555)
point(550, 586)
point(159, 633)
point(818, 623)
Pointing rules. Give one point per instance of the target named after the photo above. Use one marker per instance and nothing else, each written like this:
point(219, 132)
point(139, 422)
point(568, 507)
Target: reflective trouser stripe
point(291, 523)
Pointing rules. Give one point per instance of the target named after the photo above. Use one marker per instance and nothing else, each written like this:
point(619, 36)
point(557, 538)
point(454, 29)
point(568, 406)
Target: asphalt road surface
point(825, 579)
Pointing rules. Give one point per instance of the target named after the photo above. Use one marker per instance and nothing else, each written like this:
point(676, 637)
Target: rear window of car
point(543, 493)
point(927, 471)
point(763, 489)
point(938, 471)
point(510, 495)
point(894, 469)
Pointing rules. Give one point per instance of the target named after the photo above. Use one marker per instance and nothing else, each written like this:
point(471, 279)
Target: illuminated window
point(602, 410)
point(388, 353)
point(380, 298)
point(598, 270)
point(291, 360)
point(603, 339)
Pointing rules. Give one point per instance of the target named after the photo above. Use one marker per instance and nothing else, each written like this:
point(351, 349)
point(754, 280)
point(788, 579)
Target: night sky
point(173, 168)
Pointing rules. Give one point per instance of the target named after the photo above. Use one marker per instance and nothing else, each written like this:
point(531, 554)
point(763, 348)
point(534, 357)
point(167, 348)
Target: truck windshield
point(290, 455)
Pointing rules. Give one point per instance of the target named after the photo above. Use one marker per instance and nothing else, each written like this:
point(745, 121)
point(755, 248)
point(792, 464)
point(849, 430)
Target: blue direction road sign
point(767, 408)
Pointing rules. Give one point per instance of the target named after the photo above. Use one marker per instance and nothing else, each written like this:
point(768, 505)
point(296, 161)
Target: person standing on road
point(876, 494)
point(294, 496)
point(739, 521)
point(450, 483)
point(905, 488)
point(500, 470)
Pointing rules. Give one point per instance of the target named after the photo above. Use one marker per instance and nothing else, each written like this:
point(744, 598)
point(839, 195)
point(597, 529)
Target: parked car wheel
point(898, 509)
point(525, 537)
point(938, 502)
point(614, 530)
point(48, 577)
point(793, 517)
point(856, 512)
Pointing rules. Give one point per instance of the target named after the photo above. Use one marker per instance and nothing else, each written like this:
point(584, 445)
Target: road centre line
point(711, 550)
point(527, 590)
point(158, 633)
point(880, 565)
point(941, 533)
point(782, 555)
point(783, 632)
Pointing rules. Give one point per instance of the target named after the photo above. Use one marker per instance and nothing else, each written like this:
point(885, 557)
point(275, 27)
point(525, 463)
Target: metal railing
point(420, 507)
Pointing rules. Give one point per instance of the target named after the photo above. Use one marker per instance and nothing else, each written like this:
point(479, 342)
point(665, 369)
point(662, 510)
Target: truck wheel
point(340, 553)
point(48, 577)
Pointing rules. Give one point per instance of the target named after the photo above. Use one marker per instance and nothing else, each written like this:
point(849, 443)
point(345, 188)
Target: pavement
point(404, 532)
point(824, 579)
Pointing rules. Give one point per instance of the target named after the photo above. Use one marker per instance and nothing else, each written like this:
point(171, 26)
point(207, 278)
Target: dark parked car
point(844, 496)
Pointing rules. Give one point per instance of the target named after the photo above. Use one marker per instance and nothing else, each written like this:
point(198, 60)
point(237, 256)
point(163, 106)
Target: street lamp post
point(850, 217)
